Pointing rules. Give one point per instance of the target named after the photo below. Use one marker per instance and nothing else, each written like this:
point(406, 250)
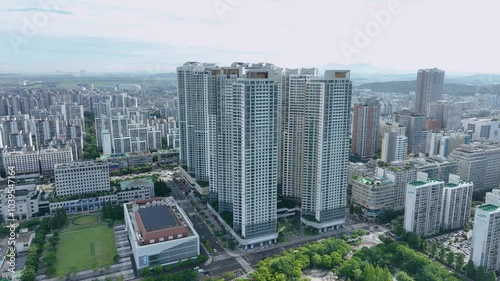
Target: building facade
point(81, 177)
point(366, 115)
point(423, 207)
point(429, 89)
point(485, 246)
point(374, 195)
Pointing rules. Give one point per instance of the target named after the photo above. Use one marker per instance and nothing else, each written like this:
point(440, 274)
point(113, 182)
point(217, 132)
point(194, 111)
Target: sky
point(156, 36)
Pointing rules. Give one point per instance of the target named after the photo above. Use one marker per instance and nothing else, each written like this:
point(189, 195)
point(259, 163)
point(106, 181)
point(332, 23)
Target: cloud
point(22, 10)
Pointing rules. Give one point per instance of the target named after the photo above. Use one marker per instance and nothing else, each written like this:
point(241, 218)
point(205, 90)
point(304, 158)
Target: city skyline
point(62, 35)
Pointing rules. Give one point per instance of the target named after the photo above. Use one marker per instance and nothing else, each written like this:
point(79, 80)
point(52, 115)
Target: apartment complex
point(433, 206)
point(81, 177)
point(246, 127)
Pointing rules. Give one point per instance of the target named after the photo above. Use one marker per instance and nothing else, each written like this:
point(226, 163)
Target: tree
point(442, 254)
point(459, 263)
point(316, 260)
point(480, 274)
point(327, 261)
point(450, 258)
point(469, 269)
point(491, 276)
point(28, 275)
point(403, 276)
point(433, 250)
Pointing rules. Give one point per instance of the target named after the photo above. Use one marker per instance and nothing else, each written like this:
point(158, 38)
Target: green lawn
point(85, 220)
point(85, 247)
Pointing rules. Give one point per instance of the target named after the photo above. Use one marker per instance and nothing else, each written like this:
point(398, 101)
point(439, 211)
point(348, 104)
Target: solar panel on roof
point(157, 217)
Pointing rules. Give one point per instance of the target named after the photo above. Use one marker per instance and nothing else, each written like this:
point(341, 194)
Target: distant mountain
point(477, 79)
point(406, 87)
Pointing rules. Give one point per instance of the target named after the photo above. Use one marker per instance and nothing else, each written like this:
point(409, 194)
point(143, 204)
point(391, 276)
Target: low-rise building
point(168, 157)
point(136, 189)
point(23, 241)
point(116, 161)
point(159, 232)
point(26, 203)
point(139, 159)
point(493, 197)
point(374, 195)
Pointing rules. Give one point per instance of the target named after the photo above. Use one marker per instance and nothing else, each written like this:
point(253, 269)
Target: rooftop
point(372, 181)
point(24, 237)
point(420, 183)
point(157, 217)
point(136, 182)
point(488, 208)
point(139, 153)
point(80, 164)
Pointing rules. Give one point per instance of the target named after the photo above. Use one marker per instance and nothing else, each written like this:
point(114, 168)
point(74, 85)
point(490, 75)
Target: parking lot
point(458, 242)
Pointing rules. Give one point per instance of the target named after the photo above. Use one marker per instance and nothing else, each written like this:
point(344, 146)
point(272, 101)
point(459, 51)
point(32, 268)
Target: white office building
point(400, 173)
point(478, 163)
point(81, 177)
point(25, 161)
point(482, 128)
point(50, 157)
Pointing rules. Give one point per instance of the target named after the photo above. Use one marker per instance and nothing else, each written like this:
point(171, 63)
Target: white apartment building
point(81, 177)
point(457, 199)
point(323, 165)
point(53, 156)
point(246, 135)
point(423, 207)
point(193, 89)
point(485, 246)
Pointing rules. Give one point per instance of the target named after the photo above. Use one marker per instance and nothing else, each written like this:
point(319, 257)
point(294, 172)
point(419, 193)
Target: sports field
point(85, 247)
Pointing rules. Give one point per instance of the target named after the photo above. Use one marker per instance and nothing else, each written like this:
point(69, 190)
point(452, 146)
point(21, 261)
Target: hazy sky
point(155, 36)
